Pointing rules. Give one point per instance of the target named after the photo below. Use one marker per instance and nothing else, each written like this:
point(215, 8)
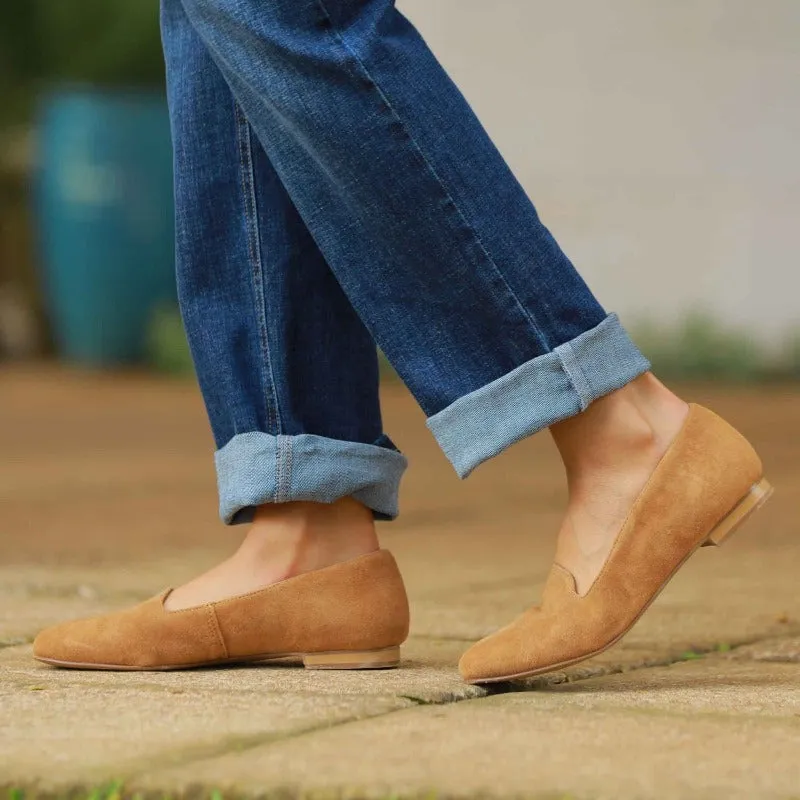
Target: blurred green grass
point(702, 349)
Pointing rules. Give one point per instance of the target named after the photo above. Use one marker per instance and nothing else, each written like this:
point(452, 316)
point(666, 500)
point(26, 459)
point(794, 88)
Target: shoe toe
point(483, 661)
point(141, 637)
point(106, 641)
point(67, 642)
point(504, 654)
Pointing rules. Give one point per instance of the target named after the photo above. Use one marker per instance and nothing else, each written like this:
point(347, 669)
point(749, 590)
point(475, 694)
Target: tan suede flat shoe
point(709, 481)
point(352, 615)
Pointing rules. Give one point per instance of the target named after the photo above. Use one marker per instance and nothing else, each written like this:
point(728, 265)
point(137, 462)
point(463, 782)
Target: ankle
point(662, 410)
point(284, 540)
point(610, 452)
point(288, 539)
point(637, 422)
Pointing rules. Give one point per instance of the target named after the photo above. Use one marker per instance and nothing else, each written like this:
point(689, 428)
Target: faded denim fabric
point(333, 190)
point(537, 394)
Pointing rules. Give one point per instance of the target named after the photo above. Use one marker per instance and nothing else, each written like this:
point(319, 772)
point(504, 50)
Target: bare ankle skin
point(284, 540)
point(609, 452)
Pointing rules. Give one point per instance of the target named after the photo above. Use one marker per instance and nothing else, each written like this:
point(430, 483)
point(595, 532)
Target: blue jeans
point(334, 190)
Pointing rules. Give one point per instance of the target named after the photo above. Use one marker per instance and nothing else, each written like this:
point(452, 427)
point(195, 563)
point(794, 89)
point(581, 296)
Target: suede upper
point(357, 605)
point(707, 470)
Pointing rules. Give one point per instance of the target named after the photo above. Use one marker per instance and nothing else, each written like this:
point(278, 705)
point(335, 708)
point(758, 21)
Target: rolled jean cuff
point(255, 468)
point(537, 394)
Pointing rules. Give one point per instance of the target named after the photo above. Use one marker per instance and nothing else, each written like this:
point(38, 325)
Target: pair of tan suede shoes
point(355, 615)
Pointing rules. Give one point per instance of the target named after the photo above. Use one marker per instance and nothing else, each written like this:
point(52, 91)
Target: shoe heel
point(750, 503)
point(388, 658)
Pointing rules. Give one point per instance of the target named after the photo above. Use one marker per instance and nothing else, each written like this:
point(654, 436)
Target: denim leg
point(287, 369)
point(433, 240)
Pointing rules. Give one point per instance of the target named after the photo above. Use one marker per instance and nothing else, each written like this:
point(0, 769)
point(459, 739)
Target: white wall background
point(659, 140)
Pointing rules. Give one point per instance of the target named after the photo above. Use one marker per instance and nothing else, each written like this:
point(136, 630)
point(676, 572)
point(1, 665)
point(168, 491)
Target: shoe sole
point(385, 658)
point(720, 533)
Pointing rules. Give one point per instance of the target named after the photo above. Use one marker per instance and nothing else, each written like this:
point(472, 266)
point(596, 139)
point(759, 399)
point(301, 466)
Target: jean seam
point(273, 416)
point(427, 164)
point(283, 481)
point(276, 492)
point(576, 375)
point(279, 466)
point(287, 457)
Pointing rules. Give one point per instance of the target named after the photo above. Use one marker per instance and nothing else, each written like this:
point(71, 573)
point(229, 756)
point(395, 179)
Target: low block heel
point(749, 504)
point(388, 658)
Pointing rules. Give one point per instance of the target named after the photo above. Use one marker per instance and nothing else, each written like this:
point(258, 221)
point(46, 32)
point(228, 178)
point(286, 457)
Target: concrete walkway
point(106, 496)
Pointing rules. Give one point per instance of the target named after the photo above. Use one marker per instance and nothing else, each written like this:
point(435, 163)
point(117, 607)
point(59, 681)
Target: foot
point(309, 580)
point(351, 615)
point(636, 514)
point(610, 452)
point(285, 540)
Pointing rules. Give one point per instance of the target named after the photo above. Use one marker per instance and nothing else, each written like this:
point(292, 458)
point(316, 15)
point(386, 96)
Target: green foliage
point(701, 349)
point(791, 356)
point(105, 43)
point(691, 655)
point(20, 60)
point(167, 348)
point(102, 42)
point(108, 791)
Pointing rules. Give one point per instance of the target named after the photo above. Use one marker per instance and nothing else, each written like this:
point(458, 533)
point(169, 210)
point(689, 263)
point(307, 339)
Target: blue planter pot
point(105, 218)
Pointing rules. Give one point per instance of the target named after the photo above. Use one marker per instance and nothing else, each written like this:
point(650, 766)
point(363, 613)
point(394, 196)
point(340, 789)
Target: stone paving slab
point(786, 650)
point(428, 675)
point(704, 730)
point(708, 686)
point(89, 731)
point(91, 727)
